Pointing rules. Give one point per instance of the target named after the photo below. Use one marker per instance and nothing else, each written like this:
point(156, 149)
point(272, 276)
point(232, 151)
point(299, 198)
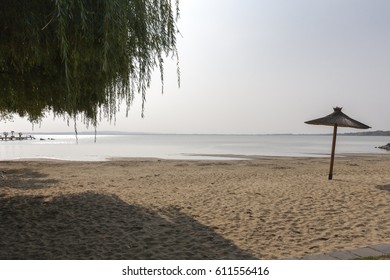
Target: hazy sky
point(266, 66)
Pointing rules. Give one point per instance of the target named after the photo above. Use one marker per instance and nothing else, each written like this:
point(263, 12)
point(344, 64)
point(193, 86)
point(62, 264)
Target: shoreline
point(206, 157)
point(137, 208)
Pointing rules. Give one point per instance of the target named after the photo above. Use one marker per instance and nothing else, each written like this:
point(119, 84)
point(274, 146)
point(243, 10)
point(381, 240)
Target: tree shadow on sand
point(97, 226)
point(25, 178)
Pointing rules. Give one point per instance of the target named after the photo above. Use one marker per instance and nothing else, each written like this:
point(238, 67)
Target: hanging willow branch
point(82, 57)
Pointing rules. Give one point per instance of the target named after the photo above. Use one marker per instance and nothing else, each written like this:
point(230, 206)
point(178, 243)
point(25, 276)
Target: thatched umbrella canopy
point(337, 119)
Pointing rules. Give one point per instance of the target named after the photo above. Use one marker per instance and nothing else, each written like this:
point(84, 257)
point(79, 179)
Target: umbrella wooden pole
point(333, 151)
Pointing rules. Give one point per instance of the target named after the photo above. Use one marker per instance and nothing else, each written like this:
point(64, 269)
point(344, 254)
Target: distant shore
point(265, 208)
point(364, 133)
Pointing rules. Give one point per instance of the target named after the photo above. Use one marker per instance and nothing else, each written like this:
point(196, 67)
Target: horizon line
point(113, 132)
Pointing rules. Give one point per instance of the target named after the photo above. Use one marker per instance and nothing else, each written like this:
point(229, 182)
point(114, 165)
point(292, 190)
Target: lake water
point(172, 146)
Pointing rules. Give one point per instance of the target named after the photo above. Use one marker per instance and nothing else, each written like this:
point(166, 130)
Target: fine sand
point(265, 208)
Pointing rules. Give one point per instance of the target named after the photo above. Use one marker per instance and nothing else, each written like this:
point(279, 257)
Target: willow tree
point(81, 57)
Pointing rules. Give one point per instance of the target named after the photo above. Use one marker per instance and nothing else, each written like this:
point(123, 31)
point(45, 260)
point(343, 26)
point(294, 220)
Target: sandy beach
point(265, 208)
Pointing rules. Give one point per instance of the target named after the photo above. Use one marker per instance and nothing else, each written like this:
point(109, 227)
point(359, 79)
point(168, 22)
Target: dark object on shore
point(13, 138)
point(336, 119)
point(385, 147)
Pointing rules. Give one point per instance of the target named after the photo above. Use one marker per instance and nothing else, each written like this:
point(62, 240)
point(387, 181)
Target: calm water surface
point(185, 146)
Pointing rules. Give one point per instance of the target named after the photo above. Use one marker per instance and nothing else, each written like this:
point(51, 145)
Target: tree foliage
point(81, 57)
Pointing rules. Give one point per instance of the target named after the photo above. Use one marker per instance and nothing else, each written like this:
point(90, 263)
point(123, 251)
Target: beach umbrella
point(337, 119)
